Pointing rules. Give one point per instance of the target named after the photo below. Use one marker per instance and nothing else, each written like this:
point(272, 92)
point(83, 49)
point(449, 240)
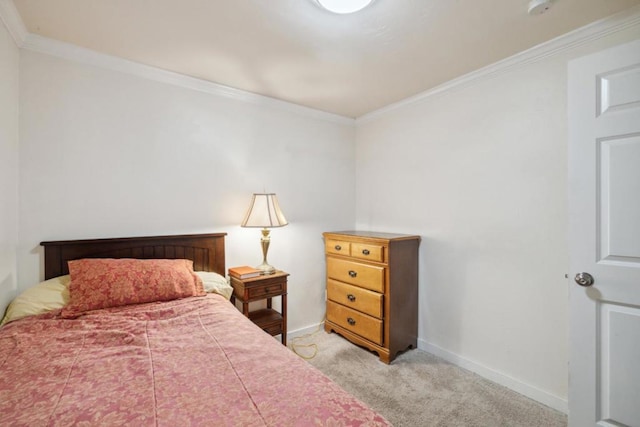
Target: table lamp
point(264, 212)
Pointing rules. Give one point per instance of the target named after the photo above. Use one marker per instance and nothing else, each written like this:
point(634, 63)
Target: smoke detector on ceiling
point(538, 7)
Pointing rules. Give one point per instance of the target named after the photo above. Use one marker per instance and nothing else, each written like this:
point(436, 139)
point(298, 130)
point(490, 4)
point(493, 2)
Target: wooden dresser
point(372, 289)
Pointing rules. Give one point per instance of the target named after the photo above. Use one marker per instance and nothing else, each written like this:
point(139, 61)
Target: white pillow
point(46, 296)
point(213, 282)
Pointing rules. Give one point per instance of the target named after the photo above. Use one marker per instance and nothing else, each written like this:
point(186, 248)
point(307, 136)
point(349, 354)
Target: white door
point(604, 233)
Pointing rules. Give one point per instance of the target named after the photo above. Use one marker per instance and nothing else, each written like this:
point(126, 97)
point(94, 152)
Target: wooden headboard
point(205, 250)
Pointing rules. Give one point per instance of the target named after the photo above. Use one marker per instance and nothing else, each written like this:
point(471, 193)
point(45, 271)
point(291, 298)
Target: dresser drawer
point(363, 300)
point(367, 251)
point(337, 247)
point(363, 275)
point(366, 326)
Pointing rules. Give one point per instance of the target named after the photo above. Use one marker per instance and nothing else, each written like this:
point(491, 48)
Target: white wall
point(9, 61)
point(108, 154)
point(481, 173)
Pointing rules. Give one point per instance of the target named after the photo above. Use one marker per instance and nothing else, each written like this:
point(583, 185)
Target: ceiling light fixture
point(344, 6)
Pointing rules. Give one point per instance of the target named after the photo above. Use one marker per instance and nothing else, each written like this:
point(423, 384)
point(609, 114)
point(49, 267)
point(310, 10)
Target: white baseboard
point(305, 331)
point(518, 386)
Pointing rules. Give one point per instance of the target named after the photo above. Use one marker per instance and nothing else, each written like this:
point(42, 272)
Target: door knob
point(584, 279)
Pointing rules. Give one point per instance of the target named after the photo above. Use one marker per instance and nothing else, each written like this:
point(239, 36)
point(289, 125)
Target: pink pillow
point(101, 283)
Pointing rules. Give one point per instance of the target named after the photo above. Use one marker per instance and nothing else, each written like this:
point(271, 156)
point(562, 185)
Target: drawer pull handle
point(351, 321)
point(266, 290)
point(365, 252)
point(353, 273)
point(351, 297)
point(337, 247)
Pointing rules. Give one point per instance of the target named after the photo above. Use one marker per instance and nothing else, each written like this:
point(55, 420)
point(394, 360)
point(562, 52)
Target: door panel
point(604, 237)
point(619, 349)
point(617, 90)
point(619, 203)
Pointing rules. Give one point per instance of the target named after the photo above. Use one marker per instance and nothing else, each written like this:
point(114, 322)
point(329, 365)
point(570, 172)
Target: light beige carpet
point(419, 389)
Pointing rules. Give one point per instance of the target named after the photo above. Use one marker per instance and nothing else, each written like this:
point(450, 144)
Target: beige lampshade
point(264, 212)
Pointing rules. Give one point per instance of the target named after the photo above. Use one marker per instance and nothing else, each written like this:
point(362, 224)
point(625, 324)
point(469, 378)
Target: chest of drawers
point(372, 289)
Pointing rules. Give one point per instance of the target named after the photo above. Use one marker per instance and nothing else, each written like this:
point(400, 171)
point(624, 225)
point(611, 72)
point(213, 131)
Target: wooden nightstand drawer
point(363, 300)
point(273, 289)
point(367, 251)
point(337, 247)
point(363, 275)
point(366, 326)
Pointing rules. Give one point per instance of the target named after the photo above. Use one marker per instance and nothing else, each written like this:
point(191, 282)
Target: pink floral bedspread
point(190, 362)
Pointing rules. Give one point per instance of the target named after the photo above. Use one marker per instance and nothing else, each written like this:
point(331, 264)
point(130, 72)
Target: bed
point(188, 361)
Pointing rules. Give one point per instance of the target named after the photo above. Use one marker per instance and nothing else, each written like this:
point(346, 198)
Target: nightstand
point(261, 288)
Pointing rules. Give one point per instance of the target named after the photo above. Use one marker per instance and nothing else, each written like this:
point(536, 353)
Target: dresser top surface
point(372, 235)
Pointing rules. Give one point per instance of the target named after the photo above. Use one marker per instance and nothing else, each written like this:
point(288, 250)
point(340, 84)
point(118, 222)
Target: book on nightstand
point(244, 272)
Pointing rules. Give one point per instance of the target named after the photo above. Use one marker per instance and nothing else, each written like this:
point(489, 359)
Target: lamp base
point(266, 268)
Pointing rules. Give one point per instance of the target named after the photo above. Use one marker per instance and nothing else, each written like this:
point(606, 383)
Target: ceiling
point(295, 51)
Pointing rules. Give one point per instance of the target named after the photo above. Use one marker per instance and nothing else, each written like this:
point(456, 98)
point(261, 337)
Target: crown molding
point(599, 29)
point(566, 42)
point(33, 42)
point(12, 20)
point(36, 43)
